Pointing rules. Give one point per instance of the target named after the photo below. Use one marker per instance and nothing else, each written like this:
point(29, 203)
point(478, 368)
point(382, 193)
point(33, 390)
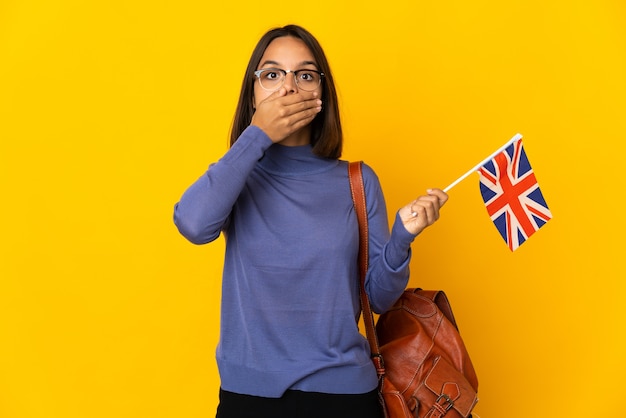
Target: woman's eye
point(271, 75)
point(306, 76)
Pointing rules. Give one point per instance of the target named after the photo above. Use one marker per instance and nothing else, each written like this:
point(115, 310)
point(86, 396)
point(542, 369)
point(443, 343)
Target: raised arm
point(205, 206)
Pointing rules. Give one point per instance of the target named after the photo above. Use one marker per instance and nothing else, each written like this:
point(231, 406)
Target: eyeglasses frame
point(258, 73)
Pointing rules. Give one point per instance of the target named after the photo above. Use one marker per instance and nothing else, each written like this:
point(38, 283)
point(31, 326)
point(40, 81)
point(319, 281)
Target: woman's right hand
point(282, 114)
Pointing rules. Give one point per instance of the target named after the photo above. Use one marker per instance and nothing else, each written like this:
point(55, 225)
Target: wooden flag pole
point(480, 164)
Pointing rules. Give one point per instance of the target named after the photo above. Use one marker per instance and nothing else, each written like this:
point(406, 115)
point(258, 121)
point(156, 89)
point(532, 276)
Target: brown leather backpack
point(425, 359)
point(423, 367)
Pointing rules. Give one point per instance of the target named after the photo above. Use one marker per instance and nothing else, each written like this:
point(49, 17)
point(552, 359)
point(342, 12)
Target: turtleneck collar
point(297, 160)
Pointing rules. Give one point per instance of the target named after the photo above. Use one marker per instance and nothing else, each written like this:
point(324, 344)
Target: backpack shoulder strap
point(355, 173)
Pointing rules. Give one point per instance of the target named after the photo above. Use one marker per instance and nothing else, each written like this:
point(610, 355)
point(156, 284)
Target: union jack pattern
point(512, 195)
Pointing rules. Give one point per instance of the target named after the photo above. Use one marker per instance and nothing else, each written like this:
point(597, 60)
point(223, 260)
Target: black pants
point(297, 404)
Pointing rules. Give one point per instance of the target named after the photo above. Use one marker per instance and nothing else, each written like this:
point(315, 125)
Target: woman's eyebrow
point(313, 63)
point(269, 62)
point(275, 63)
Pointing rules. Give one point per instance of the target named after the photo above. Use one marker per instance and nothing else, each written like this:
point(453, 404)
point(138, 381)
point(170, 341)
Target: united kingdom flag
point(512, 196)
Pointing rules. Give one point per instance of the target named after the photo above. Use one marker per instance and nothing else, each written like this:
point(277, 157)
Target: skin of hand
point(281, 115)
point(426, 208)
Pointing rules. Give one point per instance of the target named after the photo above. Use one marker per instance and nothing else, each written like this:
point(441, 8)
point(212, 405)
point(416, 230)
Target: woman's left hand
point(423, 211)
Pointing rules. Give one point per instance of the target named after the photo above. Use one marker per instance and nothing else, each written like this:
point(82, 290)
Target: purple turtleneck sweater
point(290, 281)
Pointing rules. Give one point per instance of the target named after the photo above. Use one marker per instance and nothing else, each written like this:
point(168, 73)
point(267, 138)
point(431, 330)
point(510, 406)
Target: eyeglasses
point(273, 78)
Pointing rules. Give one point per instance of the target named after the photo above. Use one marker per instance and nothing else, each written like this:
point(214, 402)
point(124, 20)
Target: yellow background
point(110, 109)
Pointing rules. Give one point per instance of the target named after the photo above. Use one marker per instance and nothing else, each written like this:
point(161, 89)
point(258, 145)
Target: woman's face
point(289, 54)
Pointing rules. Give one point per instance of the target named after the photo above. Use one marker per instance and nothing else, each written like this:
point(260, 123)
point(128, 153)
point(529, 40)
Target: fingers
point(280, 115)
point(296, 108)
point(441, 195)
point(429, 204)
point(280, 99)
point(426, 208)
point(423, 211)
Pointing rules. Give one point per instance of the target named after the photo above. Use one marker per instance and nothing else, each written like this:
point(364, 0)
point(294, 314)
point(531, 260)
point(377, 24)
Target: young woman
point(289, 341)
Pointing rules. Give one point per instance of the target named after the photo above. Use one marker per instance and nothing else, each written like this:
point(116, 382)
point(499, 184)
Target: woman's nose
point(290, 82)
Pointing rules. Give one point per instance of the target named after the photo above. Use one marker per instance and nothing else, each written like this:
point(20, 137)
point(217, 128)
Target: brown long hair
point(326, 134)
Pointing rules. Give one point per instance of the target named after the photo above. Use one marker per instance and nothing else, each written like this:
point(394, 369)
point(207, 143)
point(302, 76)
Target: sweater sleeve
point(389, 253)
point(205, 206)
